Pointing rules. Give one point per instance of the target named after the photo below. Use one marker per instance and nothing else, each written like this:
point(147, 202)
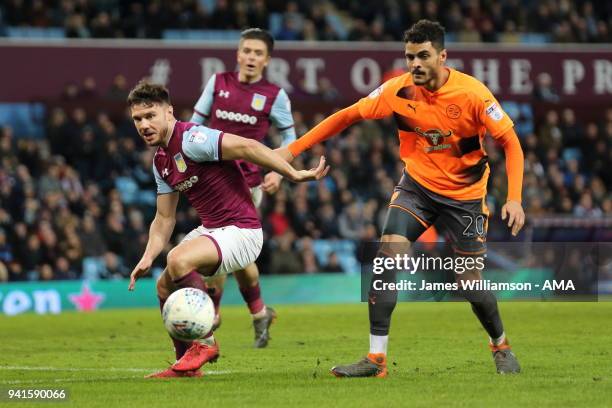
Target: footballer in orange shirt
point(442, 116)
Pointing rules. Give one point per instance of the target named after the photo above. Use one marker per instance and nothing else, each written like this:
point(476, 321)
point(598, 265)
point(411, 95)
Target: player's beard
point(422, 79)
point(157, 137)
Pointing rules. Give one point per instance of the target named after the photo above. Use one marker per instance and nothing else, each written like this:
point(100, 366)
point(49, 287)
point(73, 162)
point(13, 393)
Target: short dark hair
point(148, 93)
point(259, 34)
point(426, 30)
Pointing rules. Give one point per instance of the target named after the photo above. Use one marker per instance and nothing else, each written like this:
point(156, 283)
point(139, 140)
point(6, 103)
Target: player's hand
point(141, 269)
point(313, 174)
point(285, 153)
point(513, 211)
point(272, 182)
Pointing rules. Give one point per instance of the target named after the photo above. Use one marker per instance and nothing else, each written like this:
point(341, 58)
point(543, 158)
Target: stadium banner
point(331, 72)
point(86, 296)
point(560, 271)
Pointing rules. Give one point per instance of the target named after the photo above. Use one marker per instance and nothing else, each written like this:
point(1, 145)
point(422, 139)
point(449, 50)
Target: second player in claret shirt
point(247, 104)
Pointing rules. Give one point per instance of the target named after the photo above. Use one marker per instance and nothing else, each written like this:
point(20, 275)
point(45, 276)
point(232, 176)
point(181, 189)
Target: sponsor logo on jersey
point(495, 112)
point(435, 136)
point(180, 163)
point(258, 102)
point(186, 184)
point(236, 117)
point(453, 111)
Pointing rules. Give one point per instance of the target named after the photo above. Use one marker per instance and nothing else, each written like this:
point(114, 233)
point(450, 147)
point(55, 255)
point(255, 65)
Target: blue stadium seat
point(535, 38)
point(26, 119)
point(344, 249)
point(522, 116)
point(336, 24)
point(35, 32)
point(570, 153)
point(527, 111)
point(201, 35)
point(275, 23)
point(128, 189)
point(208, 5)
point(93, 267)
point(512, 109)
point(450, 37)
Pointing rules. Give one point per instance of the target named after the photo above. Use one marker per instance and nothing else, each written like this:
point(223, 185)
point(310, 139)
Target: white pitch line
point(65, 380)
point(28, 368)
point(101, 369)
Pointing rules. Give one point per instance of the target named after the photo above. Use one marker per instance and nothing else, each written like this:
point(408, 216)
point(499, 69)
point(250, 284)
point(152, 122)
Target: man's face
point(151, 121)
point(424, 62)
point(252, 57)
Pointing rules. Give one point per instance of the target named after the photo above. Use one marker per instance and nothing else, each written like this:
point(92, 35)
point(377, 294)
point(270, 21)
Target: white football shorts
point(237, 247)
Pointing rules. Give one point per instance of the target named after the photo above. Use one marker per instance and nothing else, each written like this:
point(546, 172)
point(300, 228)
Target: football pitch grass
point(437, 357)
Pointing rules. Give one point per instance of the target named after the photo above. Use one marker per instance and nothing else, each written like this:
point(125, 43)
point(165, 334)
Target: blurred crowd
point(86, 190)
point(467, 20)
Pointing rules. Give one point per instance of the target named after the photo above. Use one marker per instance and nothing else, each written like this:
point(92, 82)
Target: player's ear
point(170, 110)
point(268, 57)
point(443, 56)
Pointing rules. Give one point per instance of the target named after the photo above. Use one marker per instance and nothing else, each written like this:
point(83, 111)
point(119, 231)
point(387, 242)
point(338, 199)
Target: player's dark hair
point(426, 30)
point(259, 34)
point(148, 93)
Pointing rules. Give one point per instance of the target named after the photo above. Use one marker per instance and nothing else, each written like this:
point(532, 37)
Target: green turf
point(438, 357)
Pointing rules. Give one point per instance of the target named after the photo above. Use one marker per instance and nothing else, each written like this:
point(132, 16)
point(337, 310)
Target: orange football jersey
point(441, 132)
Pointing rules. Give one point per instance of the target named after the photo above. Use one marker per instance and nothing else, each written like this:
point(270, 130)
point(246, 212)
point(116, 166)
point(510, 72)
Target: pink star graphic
point(86, 301)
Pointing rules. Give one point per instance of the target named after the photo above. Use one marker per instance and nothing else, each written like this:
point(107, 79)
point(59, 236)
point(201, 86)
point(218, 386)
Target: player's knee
point(177, 267)
point(394, 238)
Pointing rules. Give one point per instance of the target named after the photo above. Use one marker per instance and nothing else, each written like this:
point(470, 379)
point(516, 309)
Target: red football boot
point(170, 373)
point(196, 356)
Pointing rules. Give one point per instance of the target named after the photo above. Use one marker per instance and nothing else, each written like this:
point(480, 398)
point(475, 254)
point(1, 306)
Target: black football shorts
point(413, 209)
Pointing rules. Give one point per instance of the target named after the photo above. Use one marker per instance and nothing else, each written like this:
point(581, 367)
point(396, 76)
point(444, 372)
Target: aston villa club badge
point(258, 102)
point(180, 163)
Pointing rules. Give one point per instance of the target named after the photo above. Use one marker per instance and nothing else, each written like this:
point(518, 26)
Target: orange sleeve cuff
point(331, 126)
point(515, 164)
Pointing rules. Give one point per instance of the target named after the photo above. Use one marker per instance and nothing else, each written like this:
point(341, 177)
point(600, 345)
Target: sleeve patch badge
point(376, 93)
point(495, 112)
point(198, 137)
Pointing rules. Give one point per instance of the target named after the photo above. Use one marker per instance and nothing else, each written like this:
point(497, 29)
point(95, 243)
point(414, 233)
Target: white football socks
point(500, 340)
point(378, 344)
point(208, 341)
point(260, 314)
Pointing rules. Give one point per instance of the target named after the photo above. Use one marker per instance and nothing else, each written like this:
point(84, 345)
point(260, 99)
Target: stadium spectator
point(333, 263)
point(285, 260)
point(569, 21)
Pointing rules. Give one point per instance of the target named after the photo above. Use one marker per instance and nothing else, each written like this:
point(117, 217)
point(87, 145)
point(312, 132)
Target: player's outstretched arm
point(512, 211)
point(159, 234)
point(331, 126)
point(239, 148)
